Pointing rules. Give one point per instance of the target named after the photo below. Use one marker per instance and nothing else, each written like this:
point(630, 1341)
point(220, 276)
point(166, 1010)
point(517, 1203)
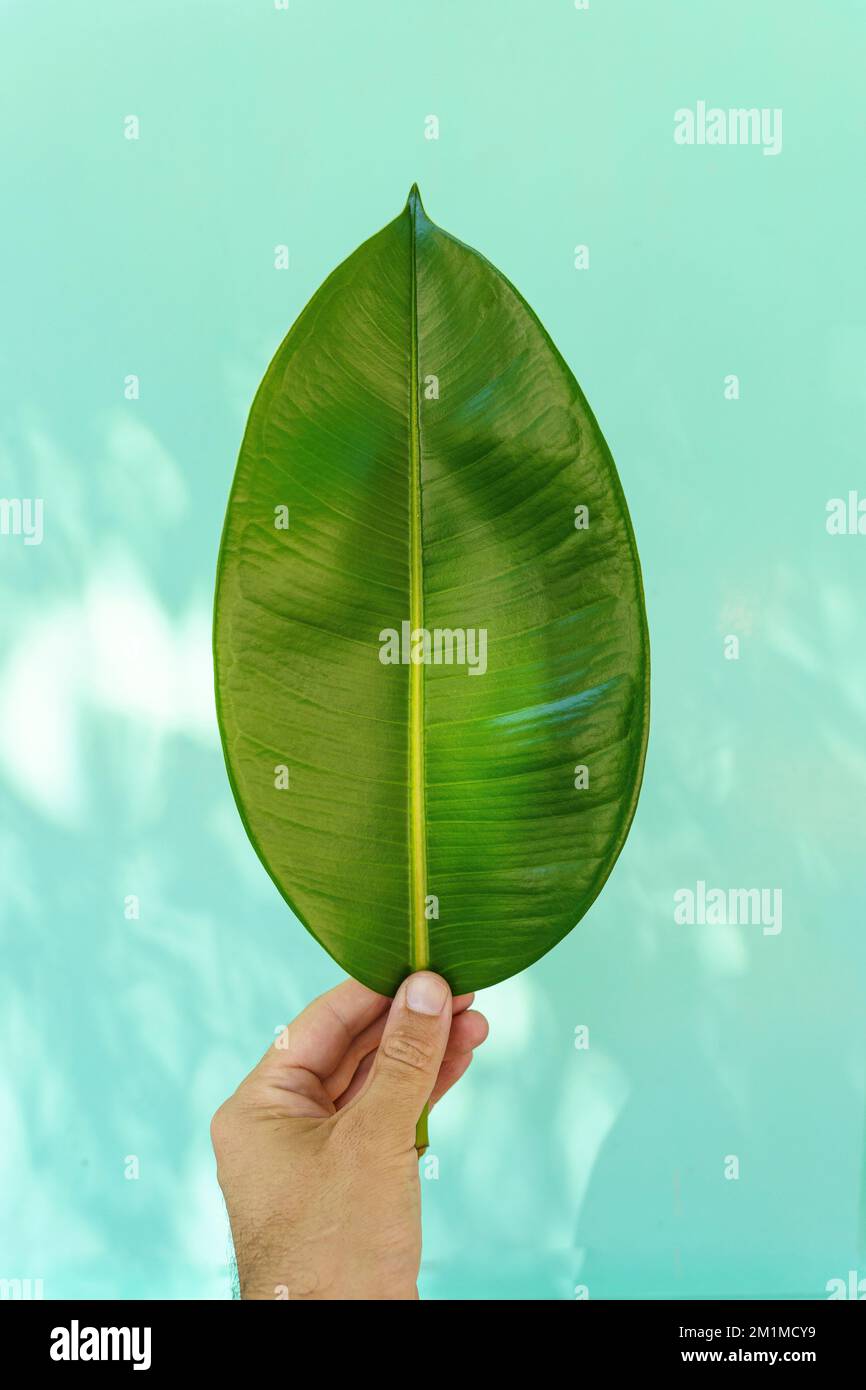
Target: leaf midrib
point(419, 943)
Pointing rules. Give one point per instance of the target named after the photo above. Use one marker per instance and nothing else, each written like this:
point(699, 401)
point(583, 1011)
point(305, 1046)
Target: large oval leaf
point(421, 479)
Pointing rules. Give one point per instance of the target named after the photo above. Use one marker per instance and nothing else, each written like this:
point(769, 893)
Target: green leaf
point(419, 453)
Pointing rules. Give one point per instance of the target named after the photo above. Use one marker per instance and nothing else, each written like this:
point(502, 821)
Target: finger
point(364, 1045)
point(293, 1091)
point(460, 1003)
point(357, 1082)
point(320, 1036)
point(407, 1061)
point(468, 1030)
point(473, 1031)
point(450, 1073)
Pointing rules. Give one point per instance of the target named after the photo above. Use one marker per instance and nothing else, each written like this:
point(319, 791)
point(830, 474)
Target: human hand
point(316, 1148)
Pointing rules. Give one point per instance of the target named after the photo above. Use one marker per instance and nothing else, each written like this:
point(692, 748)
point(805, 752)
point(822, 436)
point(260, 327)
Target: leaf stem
point(422, 1137)
point(419, 951)
point(419, 945)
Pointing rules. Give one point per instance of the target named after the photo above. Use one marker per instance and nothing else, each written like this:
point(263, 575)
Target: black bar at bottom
point(158, 1338)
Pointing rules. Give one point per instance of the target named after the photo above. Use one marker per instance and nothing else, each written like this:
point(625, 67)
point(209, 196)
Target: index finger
point(318, 1038)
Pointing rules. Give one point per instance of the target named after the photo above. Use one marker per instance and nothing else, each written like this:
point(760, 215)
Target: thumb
point(409, 1057)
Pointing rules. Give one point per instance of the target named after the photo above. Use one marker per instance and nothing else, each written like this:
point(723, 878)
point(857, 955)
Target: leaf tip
point(413, 202)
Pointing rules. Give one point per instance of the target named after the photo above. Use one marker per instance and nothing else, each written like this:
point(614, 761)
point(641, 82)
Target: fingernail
point(426, 994)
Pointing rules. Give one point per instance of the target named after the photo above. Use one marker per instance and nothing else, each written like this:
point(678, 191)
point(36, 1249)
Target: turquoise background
point(559, 1168)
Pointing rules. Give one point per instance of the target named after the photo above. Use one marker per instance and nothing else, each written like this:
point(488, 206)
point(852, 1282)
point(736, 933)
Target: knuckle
point(222, 1125)
point(405, 1054)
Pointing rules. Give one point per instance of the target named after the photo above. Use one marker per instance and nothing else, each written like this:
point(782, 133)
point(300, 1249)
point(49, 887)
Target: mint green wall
point(558, 1167)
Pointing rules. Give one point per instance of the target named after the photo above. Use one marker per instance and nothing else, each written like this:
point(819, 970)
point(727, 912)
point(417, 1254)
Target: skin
point(316, 1148)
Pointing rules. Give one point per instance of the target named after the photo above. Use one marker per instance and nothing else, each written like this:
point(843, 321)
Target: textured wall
point(608, 1167)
